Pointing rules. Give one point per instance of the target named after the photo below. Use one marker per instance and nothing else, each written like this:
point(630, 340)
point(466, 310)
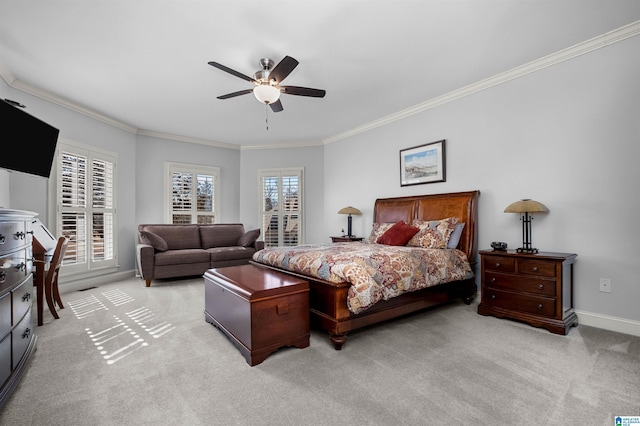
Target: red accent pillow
point(398, 235)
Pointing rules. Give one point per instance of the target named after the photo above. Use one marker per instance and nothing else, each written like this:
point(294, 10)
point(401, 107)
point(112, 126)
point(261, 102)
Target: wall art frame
point(423, 164)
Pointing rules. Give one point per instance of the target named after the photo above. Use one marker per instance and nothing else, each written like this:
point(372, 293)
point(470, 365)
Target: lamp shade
point(266, 93)
point(349, 210)
point(526, 205)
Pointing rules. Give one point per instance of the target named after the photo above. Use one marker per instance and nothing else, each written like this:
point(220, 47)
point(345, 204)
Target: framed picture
point(423, 164)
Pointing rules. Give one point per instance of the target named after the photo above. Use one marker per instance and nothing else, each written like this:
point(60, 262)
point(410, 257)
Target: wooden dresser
point(534, 288)
point(17, 337)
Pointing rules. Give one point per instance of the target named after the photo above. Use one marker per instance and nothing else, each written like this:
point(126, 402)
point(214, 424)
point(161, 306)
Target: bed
point(329, 300)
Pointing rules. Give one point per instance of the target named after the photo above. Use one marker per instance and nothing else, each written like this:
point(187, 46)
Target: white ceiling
point(144, 63)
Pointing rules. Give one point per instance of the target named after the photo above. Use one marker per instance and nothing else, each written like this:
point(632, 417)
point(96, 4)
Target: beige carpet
point(123, 354)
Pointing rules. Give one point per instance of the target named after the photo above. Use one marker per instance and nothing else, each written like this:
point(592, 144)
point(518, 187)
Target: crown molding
point(189, 139)
point(582, 48)
point(6, 75)
point(281, 146)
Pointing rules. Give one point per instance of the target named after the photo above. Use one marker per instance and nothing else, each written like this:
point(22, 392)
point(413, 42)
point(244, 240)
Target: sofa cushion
point(184, 256)
point(248, 238)
point(220, 234)
point(177, 236)
point(154, 240)
point(219, 254)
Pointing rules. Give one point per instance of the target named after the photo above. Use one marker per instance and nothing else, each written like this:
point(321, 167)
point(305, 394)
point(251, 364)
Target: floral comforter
point(376, 271)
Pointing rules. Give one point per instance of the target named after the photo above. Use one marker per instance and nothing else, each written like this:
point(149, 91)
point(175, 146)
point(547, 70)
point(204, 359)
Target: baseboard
point(84, 283)
point(606, 322)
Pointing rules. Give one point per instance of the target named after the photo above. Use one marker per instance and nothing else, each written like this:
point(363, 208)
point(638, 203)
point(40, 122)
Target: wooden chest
point(534, 288)
point(259, 309)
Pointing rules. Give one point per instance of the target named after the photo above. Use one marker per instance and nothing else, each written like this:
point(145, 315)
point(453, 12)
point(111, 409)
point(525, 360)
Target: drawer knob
point(540, 286)
point(535, 269)
point(493, 297)
point(540, 306)
point(498, 264)
point(493, 279)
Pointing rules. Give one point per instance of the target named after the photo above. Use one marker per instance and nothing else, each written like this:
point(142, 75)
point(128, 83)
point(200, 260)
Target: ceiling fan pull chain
point(266, 115)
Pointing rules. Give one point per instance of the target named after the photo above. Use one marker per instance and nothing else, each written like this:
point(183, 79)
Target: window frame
point(280, 172)
point(195, 169)
point(89, 267)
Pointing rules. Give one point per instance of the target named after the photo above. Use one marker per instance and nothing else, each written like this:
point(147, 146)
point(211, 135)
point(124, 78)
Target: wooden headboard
point(463, 205)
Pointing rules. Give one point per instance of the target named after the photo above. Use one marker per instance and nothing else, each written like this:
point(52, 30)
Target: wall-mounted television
point(35, 141)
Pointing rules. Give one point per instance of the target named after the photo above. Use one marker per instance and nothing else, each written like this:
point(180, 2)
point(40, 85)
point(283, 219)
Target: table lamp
point(525, 207)
point(349, 210)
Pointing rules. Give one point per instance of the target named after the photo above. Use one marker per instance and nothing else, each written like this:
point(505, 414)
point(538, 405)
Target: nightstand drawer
point(519, 302)
point(537, 267)
point(524, 284)
point(498, 263)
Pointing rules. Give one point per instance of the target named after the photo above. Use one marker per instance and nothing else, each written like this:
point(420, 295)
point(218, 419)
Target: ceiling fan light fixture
point(266, 93)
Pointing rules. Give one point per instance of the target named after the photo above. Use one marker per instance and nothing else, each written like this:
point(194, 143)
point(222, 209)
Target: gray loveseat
point(170, 251)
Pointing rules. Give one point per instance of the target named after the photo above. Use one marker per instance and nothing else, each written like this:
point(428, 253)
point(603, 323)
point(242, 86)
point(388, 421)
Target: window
point(281, 206)
point(85, 207)
point(192, 193)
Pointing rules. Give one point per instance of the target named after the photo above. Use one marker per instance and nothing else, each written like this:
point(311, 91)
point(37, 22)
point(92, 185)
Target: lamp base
point(526, 250)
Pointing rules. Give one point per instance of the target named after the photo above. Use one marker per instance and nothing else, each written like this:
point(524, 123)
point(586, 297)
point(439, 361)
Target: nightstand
point(345, 239)
point(534, 288)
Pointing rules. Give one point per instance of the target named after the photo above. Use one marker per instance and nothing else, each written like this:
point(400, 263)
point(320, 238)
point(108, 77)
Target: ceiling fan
point(267, 82)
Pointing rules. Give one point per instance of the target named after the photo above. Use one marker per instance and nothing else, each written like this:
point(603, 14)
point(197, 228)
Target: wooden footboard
point(329, 311)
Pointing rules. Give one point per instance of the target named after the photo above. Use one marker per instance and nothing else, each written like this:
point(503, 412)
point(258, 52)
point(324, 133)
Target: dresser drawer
point(499, 263)
point(5, 358)
point(21, 299)
point(519, 302)
point(537, 267)
point(14, 268)
point(13, 235)
point(5, 314)
point(21, 337)
point(520, 283)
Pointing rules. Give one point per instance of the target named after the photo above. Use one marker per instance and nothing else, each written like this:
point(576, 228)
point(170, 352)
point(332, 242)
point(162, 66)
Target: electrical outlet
point(605, 285)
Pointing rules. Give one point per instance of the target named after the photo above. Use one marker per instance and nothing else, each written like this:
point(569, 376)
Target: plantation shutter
point(102, 195)
point(74, 203)
point(86, 208)
point(281, 206)
point(193, 194)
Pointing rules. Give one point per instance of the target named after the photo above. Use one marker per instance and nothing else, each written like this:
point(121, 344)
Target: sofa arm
point(146, 259)
point(258, 245)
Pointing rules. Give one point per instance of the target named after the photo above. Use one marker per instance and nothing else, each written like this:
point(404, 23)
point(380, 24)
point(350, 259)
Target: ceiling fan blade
point(276, 106)
point(283, 69)
point(232, 72)
point(234, 94)
point(303, 91)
